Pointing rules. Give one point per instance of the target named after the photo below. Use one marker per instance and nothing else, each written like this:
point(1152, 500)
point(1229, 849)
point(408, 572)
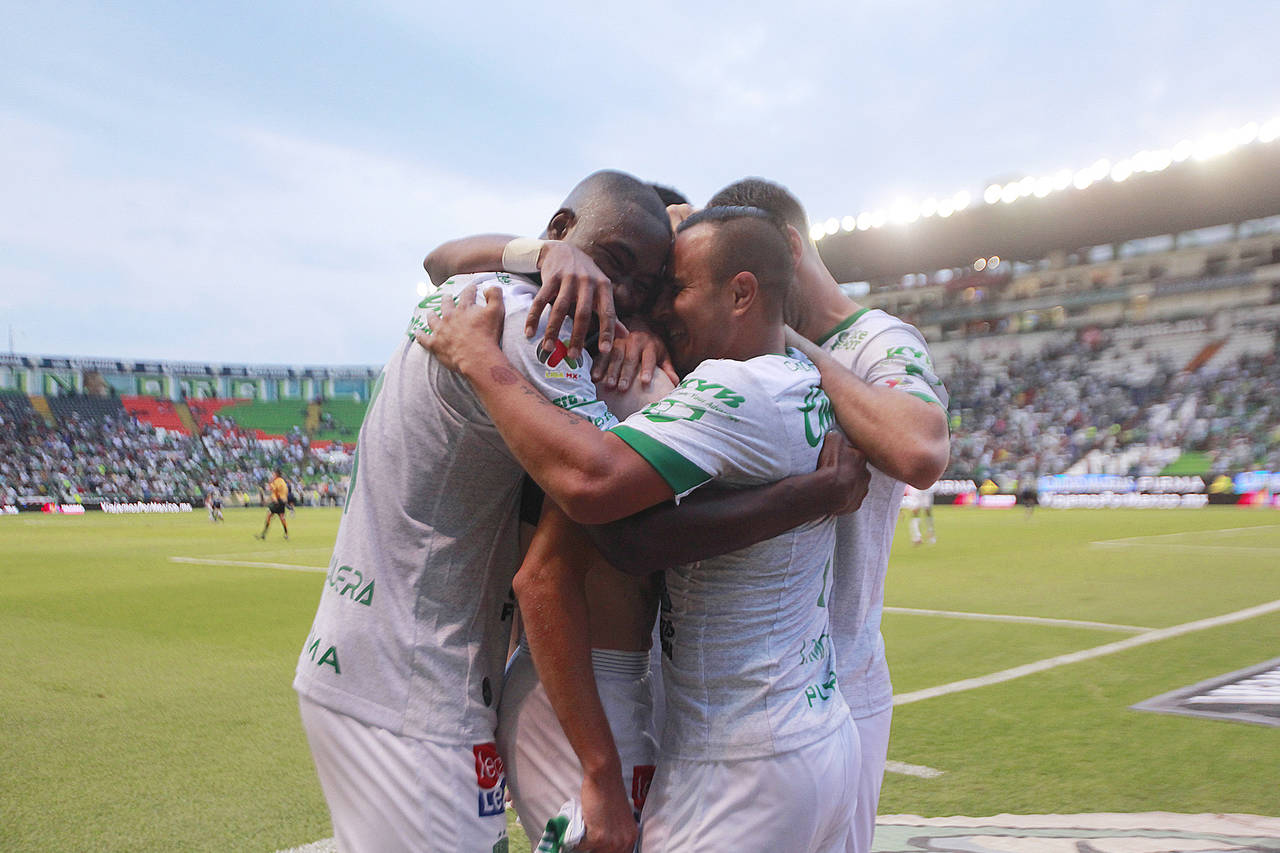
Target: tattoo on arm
point(504, 375)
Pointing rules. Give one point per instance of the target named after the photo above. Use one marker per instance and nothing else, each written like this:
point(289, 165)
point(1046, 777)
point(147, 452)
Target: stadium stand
point(96, 450)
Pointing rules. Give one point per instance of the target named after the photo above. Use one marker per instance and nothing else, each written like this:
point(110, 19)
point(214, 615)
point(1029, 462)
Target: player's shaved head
point(776, 199)
point(746, 239)
point(610, 194)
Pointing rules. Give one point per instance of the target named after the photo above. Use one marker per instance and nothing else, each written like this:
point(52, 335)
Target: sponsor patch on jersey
point(558, 363)
point(641, 780)
point(491, 779)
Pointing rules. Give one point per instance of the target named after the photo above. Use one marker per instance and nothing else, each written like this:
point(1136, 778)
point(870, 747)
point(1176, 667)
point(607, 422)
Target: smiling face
point(695, 309)
point(629, 245)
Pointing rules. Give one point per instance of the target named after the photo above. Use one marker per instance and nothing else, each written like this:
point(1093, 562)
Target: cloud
point(288, 248)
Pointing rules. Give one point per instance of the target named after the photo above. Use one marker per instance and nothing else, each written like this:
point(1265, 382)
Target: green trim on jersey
point(842, 325)
point(681, 474)
point(926, 398)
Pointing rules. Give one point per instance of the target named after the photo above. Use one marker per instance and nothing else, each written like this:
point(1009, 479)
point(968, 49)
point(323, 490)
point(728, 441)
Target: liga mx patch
point(556, 359)
point(491, 780)
point(1248, 695)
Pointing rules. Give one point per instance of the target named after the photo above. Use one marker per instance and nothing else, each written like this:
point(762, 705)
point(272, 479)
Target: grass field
point(146, 701)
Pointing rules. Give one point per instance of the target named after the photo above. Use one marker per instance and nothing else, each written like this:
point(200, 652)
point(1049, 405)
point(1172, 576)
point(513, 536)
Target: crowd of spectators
point(115, 457)
point(1025, 416)
point(1012, 419)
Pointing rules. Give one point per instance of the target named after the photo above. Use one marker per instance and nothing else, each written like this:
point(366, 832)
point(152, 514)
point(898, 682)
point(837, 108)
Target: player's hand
point(464, 330)
point(846, 466)
point(633, 358)
point(610, 825)
point(571, 281)
point(678, 213)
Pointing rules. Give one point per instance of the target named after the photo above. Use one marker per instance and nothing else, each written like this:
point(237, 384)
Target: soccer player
point(891, 406)
point(401, 674)
point(279, 496)
point(775, 752)
point(920, 503)
point(213, 502)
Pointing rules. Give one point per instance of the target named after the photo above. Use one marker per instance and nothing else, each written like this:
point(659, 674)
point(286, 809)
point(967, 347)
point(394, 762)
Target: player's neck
point(821, 305)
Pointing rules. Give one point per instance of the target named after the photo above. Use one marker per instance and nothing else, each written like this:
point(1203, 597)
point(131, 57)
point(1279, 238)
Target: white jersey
point(747, 661)
point(412, 629)
point(882, 350)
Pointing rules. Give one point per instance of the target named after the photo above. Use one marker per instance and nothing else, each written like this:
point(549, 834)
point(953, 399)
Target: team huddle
point(679, 502)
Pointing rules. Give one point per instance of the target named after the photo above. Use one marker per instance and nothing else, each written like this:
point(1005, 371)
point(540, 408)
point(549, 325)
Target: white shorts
point(873, 737)
point(542, 768)
point(388, 793)
point(802, 800)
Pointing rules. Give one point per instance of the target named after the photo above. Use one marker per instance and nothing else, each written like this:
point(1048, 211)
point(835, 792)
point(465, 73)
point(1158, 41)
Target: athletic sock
point(564, 831)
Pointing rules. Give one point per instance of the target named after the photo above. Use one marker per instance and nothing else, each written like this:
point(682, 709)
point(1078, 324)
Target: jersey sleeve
point(717, 424)
point(898, 358)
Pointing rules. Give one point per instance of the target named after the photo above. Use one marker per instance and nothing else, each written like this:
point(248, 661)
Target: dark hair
point(668, 195)
point(748, 239)
point(768, 196)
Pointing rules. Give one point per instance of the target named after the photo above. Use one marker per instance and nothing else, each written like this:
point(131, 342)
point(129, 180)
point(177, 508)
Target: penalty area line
point(252, 564)
point(1031, 620)
point(1086, 654)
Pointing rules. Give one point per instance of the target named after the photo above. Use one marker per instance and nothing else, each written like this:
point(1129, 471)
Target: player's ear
point(796, 244)
point(744, 289)
point(560, 224)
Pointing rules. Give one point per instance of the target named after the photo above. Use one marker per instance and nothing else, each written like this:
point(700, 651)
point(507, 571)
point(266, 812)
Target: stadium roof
point(1150, 194)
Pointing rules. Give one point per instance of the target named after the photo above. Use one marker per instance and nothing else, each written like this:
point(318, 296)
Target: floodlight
point(1183, 150)
point(1062, 179)
point(946, 208)
point(1121, 171)
point(817, 231)
point(980, 264)
point(1083, 179)
point(1009, 194)
point(832, 225)
point(993, 262)
point(992, 194)
point(960, 200)
point(1044, 186)
point(1246, 134)
point(879, 218)
point(864, 221)
point(1270, 131)
point(928, 207)
point(848, 223)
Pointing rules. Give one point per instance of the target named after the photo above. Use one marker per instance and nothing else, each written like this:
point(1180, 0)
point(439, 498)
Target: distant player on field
point(279, 490)
point(213, 502)
point(919, 502)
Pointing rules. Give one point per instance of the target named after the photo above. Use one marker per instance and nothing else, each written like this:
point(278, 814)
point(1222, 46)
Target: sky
point(259, 181)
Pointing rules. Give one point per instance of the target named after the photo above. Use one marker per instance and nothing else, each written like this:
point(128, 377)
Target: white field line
point(1086, 654)
point(1033, 620)
point(255, 564)
point(324, 845)
point(323, 551)
point(917, 770)
point(1146, 541)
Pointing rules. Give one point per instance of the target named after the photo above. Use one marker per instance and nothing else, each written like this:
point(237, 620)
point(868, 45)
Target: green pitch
point(146, 700)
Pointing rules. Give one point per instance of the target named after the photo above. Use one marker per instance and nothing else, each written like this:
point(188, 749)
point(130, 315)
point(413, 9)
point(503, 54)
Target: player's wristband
point(521, 255)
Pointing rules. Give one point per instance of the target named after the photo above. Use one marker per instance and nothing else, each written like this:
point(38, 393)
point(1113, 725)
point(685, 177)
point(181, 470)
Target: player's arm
point(594, 476)
point(711, 522)
point(571, 281)
point(550, 587)
point(902, 435)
